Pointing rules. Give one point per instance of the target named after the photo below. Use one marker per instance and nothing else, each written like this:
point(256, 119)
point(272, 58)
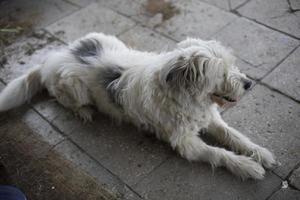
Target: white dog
point(174, 94)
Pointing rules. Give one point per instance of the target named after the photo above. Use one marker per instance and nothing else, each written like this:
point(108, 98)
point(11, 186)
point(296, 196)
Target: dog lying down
point(173, 94)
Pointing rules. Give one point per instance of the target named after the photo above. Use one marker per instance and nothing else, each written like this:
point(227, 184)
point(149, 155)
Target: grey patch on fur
point(109, 79)
point(86, 49)
point(184, 72)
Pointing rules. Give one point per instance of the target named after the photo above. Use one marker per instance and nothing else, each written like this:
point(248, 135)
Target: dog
point(173, 94)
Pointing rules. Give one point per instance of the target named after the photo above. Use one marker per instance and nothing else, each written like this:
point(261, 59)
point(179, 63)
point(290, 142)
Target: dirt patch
point(41, 39)
point(12, 28)
point(167, 9)
point(38, 171)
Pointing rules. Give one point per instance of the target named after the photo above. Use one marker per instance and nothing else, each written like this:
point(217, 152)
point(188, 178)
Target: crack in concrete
point(291, 9)
point(71, 3)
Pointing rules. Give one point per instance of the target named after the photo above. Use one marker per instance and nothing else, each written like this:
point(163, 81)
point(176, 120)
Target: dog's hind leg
point(193, 148)
point(238, 142)
point(72, 93)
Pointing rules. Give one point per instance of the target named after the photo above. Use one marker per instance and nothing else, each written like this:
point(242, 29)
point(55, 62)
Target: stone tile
point(26, 54)
point(286, 194)
point(180, 179)
point(45, 12)
point(269, 119)
point(93, 18)
point(81, 3)
point(295, 178)
point(127, 152)
point(41, 127)
point(1, 86)
point(261, 47)
point(275, 13)
point(226, 4)
point(286, 77)
point(47, 106)
point(203, 19)
point(195, 19)
point(130, 8)
point(295, 4)
point(94, 169)
point(144, 39)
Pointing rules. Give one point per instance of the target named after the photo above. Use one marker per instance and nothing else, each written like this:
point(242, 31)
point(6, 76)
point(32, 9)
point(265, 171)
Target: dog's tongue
point(222, 102)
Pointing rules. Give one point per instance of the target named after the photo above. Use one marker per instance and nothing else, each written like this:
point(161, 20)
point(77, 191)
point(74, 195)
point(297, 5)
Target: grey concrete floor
point(265, 36)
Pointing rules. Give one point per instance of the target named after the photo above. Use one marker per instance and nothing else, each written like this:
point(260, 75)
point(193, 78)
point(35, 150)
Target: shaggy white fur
point(173, 94)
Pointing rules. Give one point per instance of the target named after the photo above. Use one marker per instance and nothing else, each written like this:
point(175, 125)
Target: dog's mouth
point(223, 100)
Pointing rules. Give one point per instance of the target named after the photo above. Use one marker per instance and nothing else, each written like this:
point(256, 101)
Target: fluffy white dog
point(174, 94)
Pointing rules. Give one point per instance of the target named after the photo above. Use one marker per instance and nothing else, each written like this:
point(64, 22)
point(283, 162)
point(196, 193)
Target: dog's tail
point(20, 90)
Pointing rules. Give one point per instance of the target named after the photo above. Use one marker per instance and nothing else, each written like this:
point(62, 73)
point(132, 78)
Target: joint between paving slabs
point(281, 61)
point(87, 154)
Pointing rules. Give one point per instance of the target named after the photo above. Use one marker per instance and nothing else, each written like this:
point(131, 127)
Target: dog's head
point(205, 69)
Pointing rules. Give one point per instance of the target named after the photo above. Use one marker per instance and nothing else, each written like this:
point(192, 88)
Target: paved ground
point(264, 34)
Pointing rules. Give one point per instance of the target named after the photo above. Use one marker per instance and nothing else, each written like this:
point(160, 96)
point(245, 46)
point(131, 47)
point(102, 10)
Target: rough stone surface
point(275, 13)
point(123, 149)
point(27, 163)
point(131, 8)
point(286, 194)
point(256, 44)
point(41, 127)
point(102, 175)
point(226, 4)
point(195, 19)
point(93, 18)
point(295, 178)
point(179, 179)
point(144, 39)
point(44, 13)
point(81, 3)
point(268, 118)
point(286, 77)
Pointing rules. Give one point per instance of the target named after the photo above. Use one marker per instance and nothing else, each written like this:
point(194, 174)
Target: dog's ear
point(186, 72)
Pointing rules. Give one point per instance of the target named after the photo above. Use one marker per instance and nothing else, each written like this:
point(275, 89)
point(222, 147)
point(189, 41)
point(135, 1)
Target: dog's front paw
point(248, 168)
point(265, 157)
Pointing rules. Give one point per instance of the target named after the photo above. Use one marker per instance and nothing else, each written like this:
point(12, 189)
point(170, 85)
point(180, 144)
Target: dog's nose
point(247, 84)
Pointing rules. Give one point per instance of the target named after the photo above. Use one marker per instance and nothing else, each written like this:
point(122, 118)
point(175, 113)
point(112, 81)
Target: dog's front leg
point(238, 142)
point(191, 147)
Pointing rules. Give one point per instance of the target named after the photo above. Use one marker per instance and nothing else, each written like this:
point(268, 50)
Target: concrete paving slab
point(195, 19)
point(129, 8)
point(39, 172)
point(34, 13)
point(47, 106)
point(286, 77)
point(144, 39)
point(41, 127)
point(295, 178)
point(286, 194)
point(295, 4)
point(226, 4)
point(278, 14)
point(93, 18)
point(26, 54)
point(95, 170)
point(257, 45)
point(171, 18)
point(81, 3)
point(127, 152)
point(247, 68)
point(269, 119)
point(180, 179)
